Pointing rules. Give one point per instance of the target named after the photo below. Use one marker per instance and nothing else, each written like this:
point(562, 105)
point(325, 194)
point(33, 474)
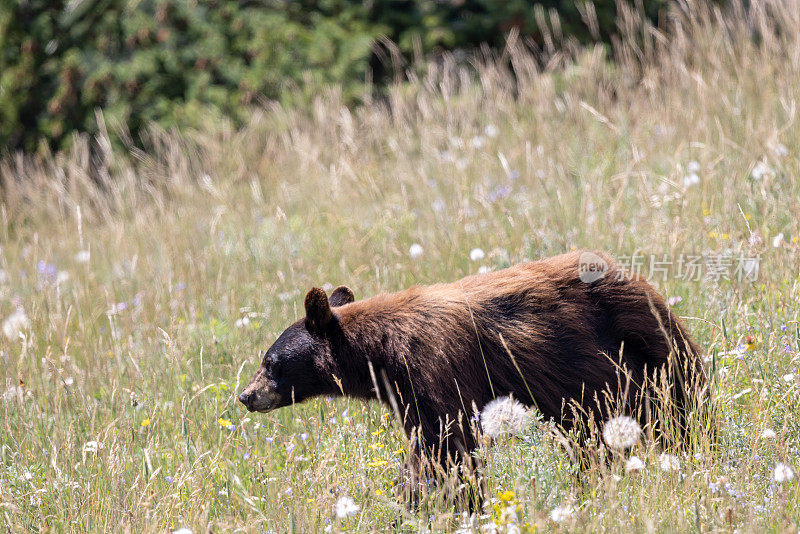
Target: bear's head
point(298, 365)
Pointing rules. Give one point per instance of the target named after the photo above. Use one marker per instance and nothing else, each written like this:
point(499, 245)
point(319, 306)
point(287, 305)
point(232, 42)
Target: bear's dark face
point(299, 364)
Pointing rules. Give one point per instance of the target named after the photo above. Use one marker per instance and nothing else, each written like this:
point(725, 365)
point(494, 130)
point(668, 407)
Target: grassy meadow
point(134, 298)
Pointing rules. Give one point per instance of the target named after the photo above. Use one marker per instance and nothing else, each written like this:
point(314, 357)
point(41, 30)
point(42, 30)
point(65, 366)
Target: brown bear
point(574, 329)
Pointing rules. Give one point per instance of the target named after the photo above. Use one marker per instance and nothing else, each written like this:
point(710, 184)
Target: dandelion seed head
point(476, 254)
point(15, 324)
point(559, 514)
point(668, 462)
point(502, 416)
point(634, 464)
point(691, 180)
point(768, 433)
point(415, 251)
point(346, 507)
point(621, 432)
point(783, 473)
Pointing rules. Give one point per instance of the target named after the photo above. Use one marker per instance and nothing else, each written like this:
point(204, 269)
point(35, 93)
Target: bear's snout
point(246, 399)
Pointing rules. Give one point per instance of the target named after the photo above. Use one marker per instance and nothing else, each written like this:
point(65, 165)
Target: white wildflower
point(27, 475)
point(560, 514)
point(634, 464)
point(483, 269)
point(783, 473)
point(621, 432)
point(789, 377)
point(503, 415)
point(476, 254)
point(92, 446)
point(668, 462)
point(82, 256)
point(691, 180)
point(415, 251)
point(346, 507)
point(780, 150)
point(760, 171)
point(243, 322)
point(693, 167)
point(15, 324)
point(14, 393)
point(477, 142)
point(768, 433)
point(777, 240)
point(491, 131)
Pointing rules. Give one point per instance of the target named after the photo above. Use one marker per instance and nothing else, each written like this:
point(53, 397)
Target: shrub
point(179, 63)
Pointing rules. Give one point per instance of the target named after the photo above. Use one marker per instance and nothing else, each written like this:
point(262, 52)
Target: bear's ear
point(341, 295)
point(318, 310)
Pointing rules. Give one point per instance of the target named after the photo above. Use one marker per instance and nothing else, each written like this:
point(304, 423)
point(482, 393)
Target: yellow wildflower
point(146, 422)
point(224, 422)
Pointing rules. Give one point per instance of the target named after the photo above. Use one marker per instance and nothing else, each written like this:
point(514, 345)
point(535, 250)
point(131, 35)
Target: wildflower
point(146, 422)
point(668, 462)
point(476, 254)
point(560, 514)
point(634, 464)
point(674, 300)
point(691, 180)
point(82, 256)
point(92, 446)
point(69, 381)
point(780, 150)
point(415, 251)
point(783, 473)
point(498, 193)
point(27, 475)
point(168, 479)
point(506, 496)
point(693, 167)
point(713, 487)
point(243, 322)
point(503, 415)
point(477, 142)
point(483, 269)
point(789, 377)
point(15, 324)
point(304, 436)
point(621, 432)
point(777, 240)
point(491, 131)
point(761, 170)
point(224, 423)
point(768, 433)
point(346, 507)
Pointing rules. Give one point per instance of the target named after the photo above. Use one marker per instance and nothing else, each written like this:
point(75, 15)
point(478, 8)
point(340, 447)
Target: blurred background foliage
point(185, 63)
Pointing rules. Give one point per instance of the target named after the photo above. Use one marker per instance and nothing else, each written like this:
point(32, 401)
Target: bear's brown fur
point(433, 351)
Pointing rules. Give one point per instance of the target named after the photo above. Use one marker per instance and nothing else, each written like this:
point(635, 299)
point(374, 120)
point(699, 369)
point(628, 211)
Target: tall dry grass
point(135, 276)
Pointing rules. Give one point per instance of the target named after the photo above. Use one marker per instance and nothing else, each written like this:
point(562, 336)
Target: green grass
point(212, 226)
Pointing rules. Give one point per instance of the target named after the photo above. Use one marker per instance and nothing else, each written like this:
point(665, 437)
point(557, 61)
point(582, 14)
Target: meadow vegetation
point(136, 292)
